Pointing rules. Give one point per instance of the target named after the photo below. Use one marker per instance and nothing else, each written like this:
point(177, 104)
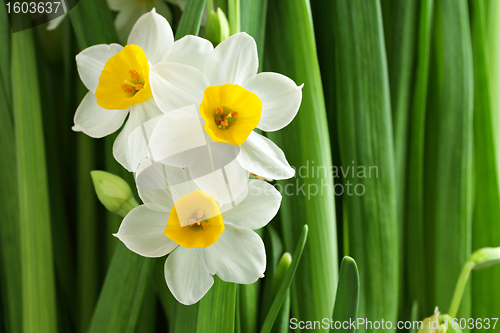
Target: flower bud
point(217, 27)
point(485, 257)
point(113, 192)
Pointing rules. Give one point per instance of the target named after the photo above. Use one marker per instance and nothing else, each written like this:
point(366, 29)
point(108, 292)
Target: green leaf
point(274, 250)
point(191, 18)
point(184, 317)
point(285, 285)
point(347, 298)
point(93, 23)
point(9, 215)
point(448, 153)
point(487, 193)
point(217, 308)
point(282, 321)
point(366, 144)
point(5, 37)
point(123, 292)
point(291, 50)
point(253, 22)
point(38, 285)
point(416, 267)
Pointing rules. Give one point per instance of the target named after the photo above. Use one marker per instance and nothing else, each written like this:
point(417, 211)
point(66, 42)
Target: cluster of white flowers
point(190, 140)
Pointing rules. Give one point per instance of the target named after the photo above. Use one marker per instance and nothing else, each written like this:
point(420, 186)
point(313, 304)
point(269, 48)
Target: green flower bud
point(485, 257)
point(217, 27)
point(279, 275)
point(448, 325)
point(113, 192)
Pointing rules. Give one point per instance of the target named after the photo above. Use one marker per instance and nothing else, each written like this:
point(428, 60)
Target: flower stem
point(459, 289)
point(210, 6)
point(234, 16)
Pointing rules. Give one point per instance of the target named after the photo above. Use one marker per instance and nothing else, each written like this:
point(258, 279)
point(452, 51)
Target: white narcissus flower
point(118, 81)
point(233, 100)
point(206, 238)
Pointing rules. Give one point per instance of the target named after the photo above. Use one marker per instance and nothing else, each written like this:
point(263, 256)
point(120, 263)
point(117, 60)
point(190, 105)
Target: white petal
point(91, 61)
point(262, 157)
point(187, 275)
point(177, 132)
point(258, 208)
point(280, 98)
point(163, 9)
point(142, 231)
point(176, 85)
point(233, 61)
point(153, 187)
point(153, 34)
point(130, 147)
point(191, 51)
point(239, 255)
point(95, 121)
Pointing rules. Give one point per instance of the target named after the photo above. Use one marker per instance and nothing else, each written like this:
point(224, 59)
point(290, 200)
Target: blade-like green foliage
point(123, 292)
point(5, 37)
point(347, 298)
point(448, 158)
point(485, 230)
point(38, 286)
point(191, 18)
point(291, 50)
point(253, 22)
point(217, 308)
point(285, 284)
point(87, 277)
point(9, 215)
point(282, 322)
point(415, 265)
point(365, 139)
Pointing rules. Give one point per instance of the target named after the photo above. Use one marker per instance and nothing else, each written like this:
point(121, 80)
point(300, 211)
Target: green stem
point(210, 6)
point(460, 288)
point(234, 16)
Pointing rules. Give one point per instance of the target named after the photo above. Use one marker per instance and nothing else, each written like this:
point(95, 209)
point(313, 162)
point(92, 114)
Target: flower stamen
point(199, 218)
point(224, 118)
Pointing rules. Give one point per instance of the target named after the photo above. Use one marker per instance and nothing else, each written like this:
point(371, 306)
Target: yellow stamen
point(203, 222)
point(222, 122)
point(127, 88)
point(124, 80)
point(134, 75)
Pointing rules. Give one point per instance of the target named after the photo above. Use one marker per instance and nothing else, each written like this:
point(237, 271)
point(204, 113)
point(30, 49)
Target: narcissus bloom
point(118, 81)
point(233, 100)
point(202, 237)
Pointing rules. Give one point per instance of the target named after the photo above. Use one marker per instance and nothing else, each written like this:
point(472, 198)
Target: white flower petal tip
point(233, 61)
point(261, 156)
point(239, 255)
point(187, 275)
point(95, 121)
point(153, 34)
point(280, 96)
point(142, 231)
